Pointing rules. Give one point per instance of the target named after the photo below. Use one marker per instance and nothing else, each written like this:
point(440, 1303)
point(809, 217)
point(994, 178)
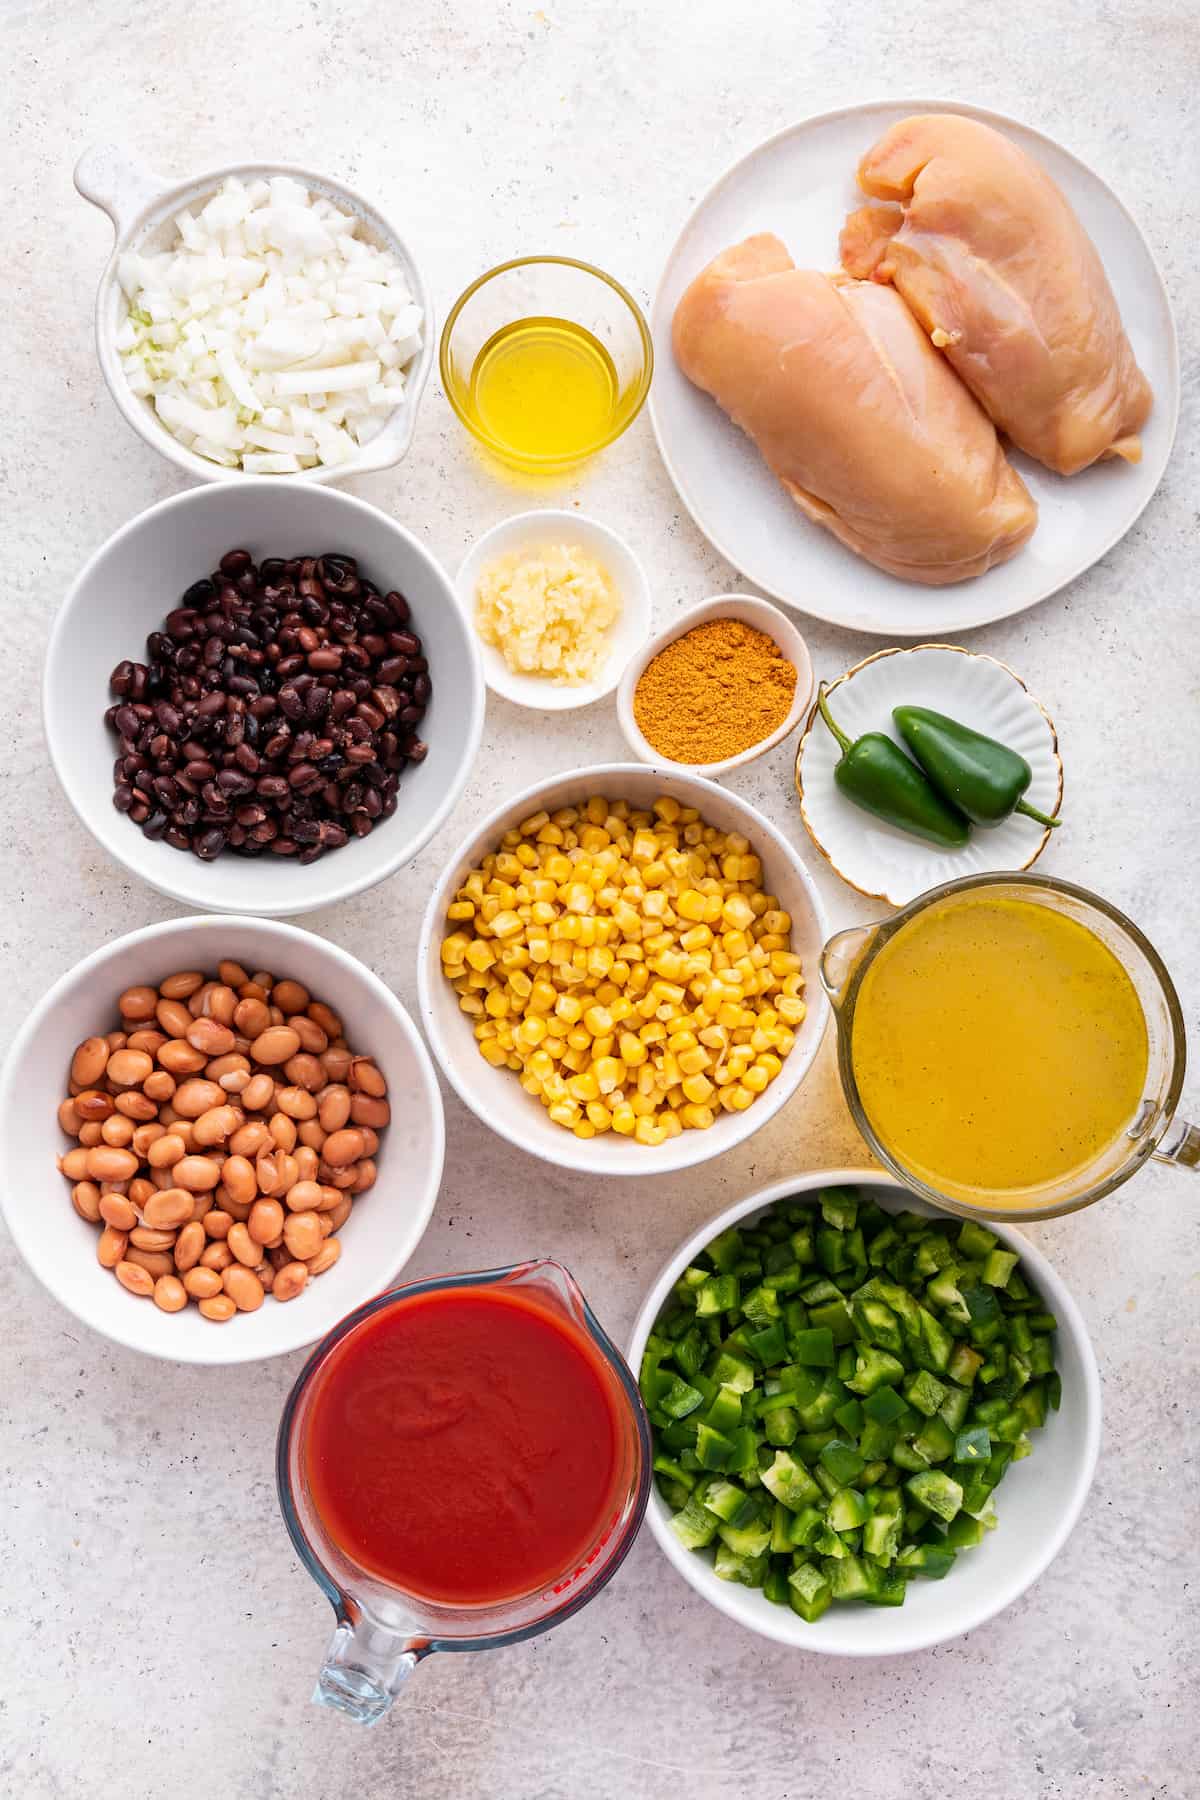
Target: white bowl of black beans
point(262, 697)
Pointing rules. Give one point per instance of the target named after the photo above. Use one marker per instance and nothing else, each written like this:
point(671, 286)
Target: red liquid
point(463, 1446)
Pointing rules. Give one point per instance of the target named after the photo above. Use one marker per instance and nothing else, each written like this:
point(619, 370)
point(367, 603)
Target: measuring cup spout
point(839, 957)
point(365, 1667)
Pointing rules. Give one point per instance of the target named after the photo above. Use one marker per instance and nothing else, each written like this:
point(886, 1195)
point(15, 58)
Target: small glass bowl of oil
point(546, 360)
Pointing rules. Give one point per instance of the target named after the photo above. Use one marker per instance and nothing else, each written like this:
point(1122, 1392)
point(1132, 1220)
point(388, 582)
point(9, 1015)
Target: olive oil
point(544, 388)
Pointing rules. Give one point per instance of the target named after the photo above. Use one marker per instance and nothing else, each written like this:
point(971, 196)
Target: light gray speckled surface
point(156, 1635)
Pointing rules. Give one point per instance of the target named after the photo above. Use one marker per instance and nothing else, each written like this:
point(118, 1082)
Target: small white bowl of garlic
point(258, 319)
point(559, 604)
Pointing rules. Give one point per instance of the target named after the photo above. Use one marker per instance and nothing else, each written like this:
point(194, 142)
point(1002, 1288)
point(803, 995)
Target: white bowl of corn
point(617, 970)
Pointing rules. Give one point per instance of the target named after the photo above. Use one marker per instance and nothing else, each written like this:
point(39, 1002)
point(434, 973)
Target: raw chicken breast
point(867, 427)
point(990, 256)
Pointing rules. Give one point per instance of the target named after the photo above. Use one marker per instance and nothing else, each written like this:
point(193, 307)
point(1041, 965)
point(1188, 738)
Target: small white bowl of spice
point(723, 683)
point(559, 605)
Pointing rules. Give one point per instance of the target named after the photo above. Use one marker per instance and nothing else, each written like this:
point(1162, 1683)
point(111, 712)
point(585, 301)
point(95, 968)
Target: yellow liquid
point(544, 388)
point(998, 1047)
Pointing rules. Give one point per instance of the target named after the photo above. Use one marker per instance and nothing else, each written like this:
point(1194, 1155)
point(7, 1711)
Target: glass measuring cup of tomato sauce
point(462, 1463)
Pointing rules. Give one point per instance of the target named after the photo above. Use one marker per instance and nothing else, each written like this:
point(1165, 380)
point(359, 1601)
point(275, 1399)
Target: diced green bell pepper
point(883, 1405)
point(842, 1461)
point(695, 1526)
point(847, 1510)
point(809, 1592)
point(926, 1559)
point(747, 1571)
point(813, 1347)
point(874, 1369)
point(937, 1492)
point(789, 1481)
point(974, 1446)
point(720, 1294)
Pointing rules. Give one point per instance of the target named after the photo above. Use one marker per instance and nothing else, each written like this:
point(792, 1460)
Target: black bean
point(274, 712)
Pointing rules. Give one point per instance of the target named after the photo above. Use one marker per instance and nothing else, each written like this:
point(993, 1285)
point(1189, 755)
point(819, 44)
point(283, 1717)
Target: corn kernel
point(493, 1053)
point(647, 1132)
point(696, 1118)
point(609, 1072)
point(624, 1119)
point(697, 1088)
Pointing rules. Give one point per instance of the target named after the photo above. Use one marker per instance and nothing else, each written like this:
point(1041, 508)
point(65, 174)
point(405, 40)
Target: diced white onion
point(270, 336)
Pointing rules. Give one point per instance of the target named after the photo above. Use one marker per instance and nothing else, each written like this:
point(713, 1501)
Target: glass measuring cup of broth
point(462, 1463)
point(1010, 1045)
point(546, 360)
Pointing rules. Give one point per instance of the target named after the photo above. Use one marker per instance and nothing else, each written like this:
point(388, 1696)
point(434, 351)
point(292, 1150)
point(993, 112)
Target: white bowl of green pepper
point(958, 1450)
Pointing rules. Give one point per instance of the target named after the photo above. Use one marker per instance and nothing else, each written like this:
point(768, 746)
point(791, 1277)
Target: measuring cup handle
point(364, 1669)
point(1181, 1146)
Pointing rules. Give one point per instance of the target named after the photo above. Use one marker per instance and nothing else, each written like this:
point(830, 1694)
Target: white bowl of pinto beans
point(220, 1135)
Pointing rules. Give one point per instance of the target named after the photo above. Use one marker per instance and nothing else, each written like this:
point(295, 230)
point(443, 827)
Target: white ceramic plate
point(875, 858)
point(800, 185)
point(1038, 1502)
point(532, 531)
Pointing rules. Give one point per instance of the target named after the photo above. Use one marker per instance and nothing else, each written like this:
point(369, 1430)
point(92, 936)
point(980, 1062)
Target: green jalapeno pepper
point(983, 779)
point(875, 774)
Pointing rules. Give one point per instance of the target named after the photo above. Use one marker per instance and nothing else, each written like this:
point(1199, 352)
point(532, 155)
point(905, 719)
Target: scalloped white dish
point(800, 184)
point(977, 690)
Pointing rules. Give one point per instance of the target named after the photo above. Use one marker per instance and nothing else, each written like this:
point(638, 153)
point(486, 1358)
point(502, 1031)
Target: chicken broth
point(998, 1046)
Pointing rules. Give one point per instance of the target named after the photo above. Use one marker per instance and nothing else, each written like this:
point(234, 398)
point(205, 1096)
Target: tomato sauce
point(462, 1446)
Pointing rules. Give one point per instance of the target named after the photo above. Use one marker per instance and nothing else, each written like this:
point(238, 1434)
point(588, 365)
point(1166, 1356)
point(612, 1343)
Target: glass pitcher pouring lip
point(383, 1633)
point(1154, 1133)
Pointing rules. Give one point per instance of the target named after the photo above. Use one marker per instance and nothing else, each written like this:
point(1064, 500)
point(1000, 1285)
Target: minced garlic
point(548, 612)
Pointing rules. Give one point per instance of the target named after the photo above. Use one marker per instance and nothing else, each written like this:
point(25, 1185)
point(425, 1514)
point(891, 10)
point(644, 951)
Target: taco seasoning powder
point(712, 693)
